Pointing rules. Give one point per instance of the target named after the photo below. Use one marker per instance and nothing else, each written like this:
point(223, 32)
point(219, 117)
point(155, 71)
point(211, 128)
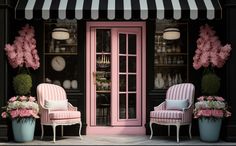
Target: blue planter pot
point(23, 130)
point(209, 129)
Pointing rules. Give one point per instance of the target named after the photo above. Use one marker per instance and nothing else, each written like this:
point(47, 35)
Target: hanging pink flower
point(209, 50)
point(23, 50)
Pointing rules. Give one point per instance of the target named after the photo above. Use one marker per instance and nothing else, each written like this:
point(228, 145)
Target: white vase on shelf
point(180, 78)
point(159, 82)
point(74, 84)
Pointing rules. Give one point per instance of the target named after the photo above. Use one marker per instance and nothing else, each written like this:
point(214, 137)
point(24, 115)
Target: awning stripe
point(29, 9)
point(143, 9)
point(177, 9)
point(152, 9)
point(79, 9)
point(210, 9)
point(54, 8)
point(135, 4)
point(218, 8)
point(111, 9)
point(193, 9)
point(46, 9)
point(103, 5)
point(70, 10)
point(94, 9)
point(118, 9)
point(127, 9)
point(62, 9)
point(168, 6)
point(37, 11)
point(160, 9)
point(201, 9)
point(185, 13)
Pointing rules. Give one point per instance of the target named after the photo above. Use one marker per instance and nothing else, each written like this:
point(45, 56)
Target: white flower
point(219, 105)
point(201, 105)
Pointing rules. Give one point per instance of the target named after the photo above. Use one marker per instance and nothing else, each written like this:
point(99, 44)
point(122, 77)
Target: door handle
point(94, 78)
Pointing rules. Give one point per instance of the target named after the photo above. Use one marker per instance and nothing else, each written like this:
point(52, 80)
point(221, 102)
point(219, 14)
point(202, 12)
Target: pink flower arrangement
point(23, 51)
point(209, 50)
point(211, 107)
point(19, 107)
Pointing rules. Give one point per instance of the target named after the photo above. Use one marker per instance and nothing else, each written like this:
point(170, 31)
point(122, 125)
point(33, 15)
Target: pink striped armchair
point(176, 117)
point(48, 116)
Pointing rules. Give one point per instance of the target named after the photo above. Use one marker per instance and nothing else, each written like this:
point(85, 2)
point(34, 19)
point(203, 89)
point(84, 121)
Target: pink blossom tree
point(23, 53)
point(210, 52)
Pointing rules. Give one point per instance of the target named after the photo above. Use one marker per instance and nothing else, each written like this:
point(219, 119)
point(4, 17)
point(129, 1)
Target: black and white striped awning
point(118, 9)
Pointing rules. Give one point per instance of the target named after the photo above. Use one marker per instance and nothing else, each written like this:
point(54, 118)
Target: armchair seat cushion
point(166, 114)
point(64, 115)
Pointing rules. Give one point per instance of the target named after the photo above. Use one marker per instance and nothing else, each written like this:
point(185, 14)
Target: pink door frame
point(90, 63)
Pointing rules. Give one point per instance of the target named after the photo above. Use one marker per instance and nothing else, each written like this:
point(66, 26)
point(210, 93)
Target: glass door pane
point(103, 77)
point(127, 76)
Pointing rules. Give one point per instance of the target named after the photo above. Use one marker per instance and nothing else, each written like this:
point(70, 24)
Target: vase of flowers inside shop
point(23, 111)
point(22, 108)
point(210, 108)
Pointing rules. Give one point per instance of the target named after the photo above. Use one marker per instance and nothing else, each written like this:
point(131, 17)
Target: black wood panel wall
point(230, 123)
point(7, 20)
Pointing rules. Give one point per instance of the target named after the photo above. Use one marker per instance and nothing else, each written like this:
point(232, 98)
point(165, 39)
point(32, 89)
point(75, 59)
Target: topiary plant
point(22, 84)
point(210, 84)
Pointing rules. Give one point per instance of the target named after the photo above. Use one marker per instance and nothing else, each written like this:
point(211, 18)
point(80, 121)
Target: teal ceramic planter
point(23, 130)
point(209, 129)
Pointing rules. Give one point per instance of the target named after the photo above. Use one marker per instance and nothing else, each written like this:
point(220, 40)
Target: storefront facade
point(113, 59)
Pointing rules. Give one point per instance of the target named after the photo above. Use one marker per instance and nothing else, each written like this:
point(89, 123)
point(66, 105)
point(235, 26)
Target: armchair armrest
point(187, 114)
point(189, 108)
point(71, 107)
point(43, 109)
point(161, 106)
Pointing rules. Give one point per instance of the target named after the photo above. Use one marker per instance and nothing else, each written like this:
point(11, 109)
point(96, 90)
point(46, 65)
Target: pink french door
point(114, 71)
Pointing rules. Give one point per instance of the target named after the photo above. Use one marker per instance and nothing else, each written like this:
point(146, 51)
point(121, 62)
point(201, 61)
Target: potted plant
point(210, 108)
point(22, 108)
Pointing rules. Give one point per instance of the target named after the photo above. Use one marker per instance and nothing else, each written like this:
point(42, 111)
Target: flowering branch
point(209, 50)
point(23, 51)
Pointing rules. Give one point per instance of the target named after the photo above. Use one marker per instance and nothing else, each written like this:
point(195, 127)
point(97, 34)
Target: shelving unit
point(61, 57)
point(170, 57)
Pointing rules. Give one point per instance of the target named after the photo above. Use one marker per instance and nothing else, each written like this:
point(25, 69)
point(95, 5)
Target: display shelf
point(170, 57)
point(165, 53)
point(103, 91)
point(170, 65)
point(61, 53)
point(61, 58)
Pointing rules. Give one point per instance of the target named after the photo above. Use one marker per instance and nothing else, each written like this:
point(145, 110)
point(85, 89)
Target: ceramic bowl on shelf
point(66, 84)
point(74, 84)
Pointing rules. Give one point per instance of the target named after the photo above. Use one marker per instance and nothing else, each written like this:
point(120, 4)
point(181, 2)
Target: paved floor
point(116, 140)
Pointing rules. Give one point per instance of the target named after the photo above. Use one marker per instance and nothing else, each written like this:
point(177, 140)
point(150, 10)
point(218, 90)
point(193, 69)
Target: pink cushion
point(64, 115)
point(166, 114)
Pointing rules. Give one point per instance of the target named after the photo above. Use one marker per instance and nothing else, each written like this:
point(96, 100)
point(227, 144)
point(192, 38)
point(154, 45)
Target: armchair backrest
point(46, 91)
point(181, 91)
